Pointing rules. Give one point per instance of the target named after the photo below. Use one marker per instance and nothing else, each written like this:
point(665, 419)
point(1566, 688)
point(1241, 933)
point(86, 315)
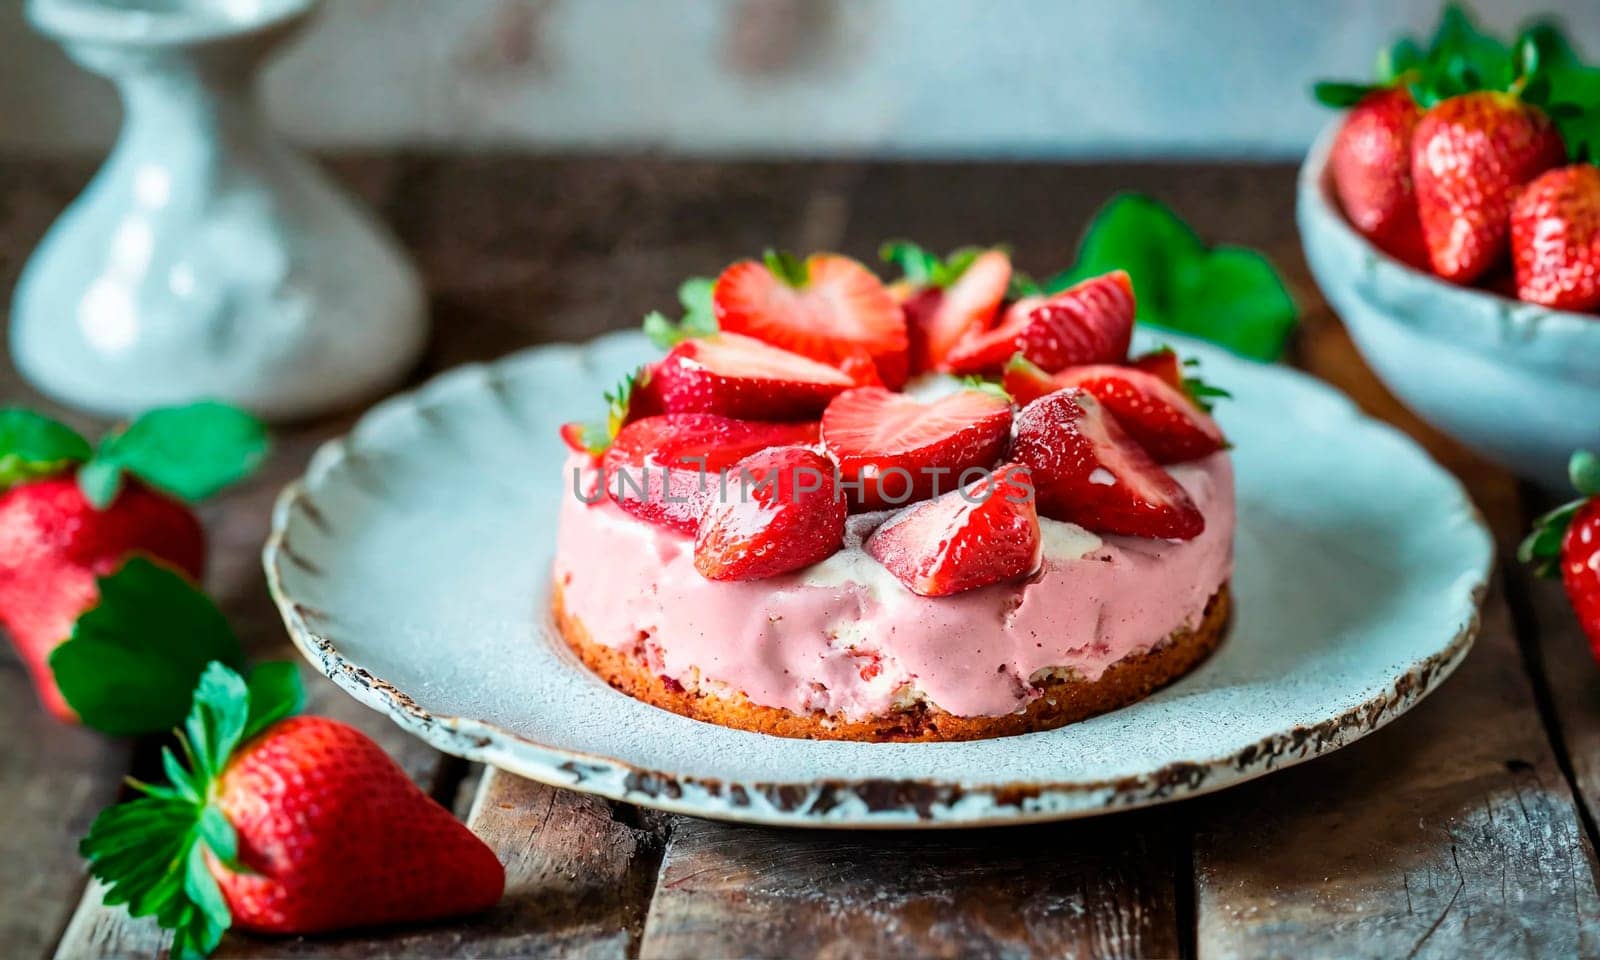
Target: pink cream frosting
point(843, 637)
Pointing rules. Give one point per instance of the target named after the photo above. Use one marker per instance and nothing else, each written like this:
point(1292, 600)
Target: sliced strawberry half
point(780, 512)
point(892, 449)
point(1025, 382)
point(1160, 417)
point(827, 307)
point(660, 469)
point(738, 376)
point(1087, 470)
point(1090, 322)
point(984, 533)
point(965, 308)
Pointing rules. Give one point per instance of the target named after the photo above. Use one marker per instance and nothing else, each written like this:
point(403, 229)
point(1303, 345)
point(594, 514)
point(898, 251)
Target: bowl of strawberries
point(1451, 216)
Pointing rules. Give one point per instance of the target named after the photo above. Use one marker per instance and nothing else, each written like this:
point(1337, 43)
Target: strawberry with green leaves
point(282, 824)
point(71, 513)
point(635, 396)
point(947, 300)
point(1565, 543)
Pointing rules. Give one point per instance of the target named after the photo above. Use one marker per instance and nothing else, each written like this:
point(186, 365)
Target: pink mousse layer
point(844, 637)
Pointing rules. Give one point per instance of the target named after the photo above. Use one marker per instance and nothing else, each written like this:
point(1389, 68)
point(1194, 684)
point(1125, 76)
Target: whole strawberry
point(280, 824)
point(1566, 543)
point(1555, 238)
point(1371, 165)
point(1470, 156)
point(70, 514)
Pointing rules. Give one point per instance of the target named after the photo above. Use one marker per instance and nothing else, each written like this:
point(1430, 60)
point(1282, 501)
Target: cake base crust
point(1063, 701)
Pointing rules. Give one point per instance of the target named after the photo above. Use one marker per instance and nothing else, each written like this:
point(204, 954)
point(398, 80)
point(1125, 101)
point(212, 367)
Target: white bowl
point(1516, 382)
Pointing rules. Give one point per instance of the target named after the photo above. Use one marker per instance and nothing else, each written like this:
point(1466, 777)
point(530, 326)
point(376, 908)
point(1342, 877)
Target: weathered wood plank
point(1100, 889)
point(1451, 833)
point(54, 779)
point(1567, 669)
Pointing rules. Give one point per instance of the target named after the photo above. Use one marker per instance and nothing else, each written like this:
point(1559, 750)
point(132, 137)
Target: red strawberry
point(982, 534)
point(1158, 416)
point(1470, 156)
point(73, 513)
point(661, 468)
point(1088, 471)
point(827, 307)
point(298, 826)
point(862, 370)
point(1090, 322)
point(737, 376)
point(965, 308)
point(1555, 238)
point(1163, 363)
point(54, 544)
point(780, 512)
point(336, 835)
point(892, 449)
point(1371, 166)
point(918, 304)
point(1025, 382)
point(1566, 542)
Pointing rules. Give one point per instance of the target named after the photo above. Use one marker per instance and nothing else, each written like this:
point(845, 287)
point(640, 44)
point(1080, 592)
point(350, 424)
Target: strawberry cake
point(944, 508)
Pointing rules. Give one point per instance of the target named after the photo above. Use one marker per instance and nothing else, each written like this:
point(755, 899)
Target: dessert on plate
point(947, 508)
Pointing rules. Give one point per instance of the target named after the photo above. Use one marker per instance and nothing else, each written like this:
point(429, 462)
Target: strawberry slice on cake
point(1090, 322)
point(661, 469)
point(893, 449)
point(1087, 470)
point(739, 376)
point(986, 532)
point(826, 307)
point(1167, 421)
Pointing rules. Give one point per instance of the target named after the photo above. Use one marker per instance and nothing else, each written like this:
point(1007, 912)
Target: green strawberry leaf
point(150, 852)
point(131, 663)
point(190, 451)
point(34, 446)
point(1339, 94)
point(1230, 296)
point(920, 268)
point(787, 267)
point(917, 266)
point(1399, 60)
point(1542, 547)
point(275, 693)
point(699, 317)
point(991, 387)
point(1584, 471)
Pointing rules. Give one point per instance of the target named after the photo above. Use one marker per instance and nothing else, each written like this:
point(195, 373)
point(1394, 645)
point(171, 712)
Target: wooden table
point(1467, 828)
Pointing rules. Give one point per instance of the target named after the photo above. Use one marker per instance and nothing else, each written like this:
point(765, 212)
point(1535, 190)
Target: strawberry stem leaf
point(920, 268)
point(132, 660)
point(151, 852)
point(190, 451)
point(1339, 94)
point(1584, 471)
point(788, 268)
point(34, 446)
point(699, 317)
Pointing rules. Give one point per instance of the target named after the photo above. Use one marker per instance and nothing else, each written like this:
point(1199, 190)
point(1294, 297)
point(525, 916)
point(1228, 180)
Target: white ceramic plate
point(411, 566)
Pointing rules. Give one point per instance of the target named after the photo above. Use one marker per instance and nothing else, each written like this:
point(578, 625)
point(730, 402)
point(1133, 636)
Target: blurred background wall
point(1033, 78)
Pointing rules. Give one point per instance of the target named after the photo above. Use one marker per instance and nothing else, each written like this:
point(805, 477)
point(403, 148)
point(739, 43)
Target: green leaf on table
point(34, 446)
point(133, 659)
point(1230, 296)
point(189, 451)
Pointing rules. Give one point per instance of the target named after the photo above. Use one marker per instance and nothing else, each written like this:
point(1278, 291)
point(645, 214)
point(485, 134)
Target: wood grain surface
point(1465, 829)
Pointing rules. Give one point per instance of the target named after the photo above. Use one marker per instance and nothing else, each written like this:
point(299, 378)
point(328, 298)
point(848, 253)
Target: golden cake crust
point(1064, 701)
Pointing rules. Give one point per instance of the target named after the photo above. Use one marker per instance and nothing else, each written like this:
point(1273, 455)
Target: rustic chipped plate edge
point(855, 803)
